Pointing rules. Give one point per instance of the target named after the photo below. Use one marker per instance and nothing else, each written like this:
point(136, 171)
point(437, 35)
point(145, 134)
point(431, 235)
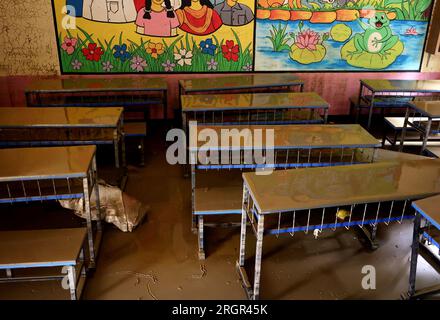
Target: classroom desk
point(216, 184)
point(54, 173)
point(63, 126)
point(393, 93)
point(62, 248)
point(254, 108)
point(132, 94)
point(426, 231)
point(327, 198)
point(242, 84)
point(420, 116)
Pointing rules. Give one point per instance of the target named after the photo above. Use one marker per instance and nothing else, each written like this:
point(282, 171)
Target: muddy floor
point(159, 259)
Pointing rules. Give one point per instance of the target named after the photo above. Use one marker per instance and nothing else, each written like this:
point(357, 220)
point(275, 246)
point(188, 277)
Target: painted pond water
point(267, 59)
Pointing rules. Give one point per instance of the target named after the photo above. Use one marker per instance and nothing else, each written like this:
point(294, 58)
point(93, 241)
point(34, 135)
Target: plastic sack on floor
point(118, 208)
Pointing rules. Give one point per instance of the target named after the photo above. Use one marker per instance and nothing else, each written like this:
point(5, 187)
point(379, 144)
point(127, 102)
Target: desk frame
point(368, 95)
point(76, 274)
point(293, 159)
point(425, 128)
point(244, 89)
point(422, 224)
point(118, 138)
point(89, 180)
point(34, 98)
point(250, 213)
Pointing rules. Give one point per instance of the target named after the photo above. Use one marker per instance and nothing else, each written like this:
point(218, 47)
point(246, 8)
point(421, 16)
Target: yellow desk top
point(96, 85)
point(430, 208)
point(40, 247)
point(381, 85)
point(248, 101)
point(240, 82)
point(60, 117)
point(54, 162)
point(298, 189)
point(288, 136)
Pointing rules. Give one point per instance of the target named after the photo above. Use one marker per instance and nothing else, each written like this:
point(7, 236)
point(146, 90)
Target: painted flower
point(307, 39)
point(107, 66)
point(183, 57)
point(155, 49)
point(76, 65)
point(207, 46)
point(212, 65)
point(247, 67)
point(168, 66)
point(121, 52)
point(138, 64)
point(230, 51)
point(411, 31)
point(69, 45)
point(92, 52)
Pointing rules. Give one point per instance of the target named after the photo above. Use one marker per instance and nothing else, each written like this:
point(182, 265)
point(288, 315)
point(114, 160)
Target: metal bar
point(325, 115)
point(201, 238)
point(279, 223)
point(403, 132)
point(116, 147)
point(414, 255)
point(349, 218)
point(96, 185)
point(336, 219)
point(391, 210)
point(243, 225)
point(363, 217)
point(258, 254)
point(322, 218)
point(403, 211)
point(370, 112)
point(88, 215)
point(377, 214)
point(308, 222)
point(426, 136)
point(293, 223)
point(71, 274)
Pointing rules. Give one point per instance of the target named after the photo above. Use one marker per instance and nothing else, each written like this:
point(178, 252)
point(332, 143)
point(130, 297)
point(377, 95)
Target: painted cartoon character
point(157, 19)
point(113, 11)
point(198, 17)
point(378, 36)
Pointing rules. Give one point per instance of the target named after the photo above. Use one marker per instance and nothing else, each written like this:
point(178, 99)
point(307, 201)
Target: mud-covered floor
point(159, 259)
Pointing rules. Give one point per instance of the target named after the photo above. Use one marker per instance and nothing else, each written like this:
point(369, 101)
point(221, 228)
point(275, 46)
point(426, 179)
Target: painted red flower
point(92, 52)
point(230, 51)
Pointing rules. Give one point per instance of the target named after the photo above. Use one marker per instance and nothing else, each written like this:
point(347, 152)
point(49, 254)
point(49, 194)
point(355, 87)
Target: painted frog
point(378, 36)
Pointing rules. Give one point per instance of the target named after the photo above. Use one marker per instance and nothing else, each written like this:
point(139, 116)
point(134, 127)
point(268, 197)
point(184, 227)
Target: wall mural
point(128, 36)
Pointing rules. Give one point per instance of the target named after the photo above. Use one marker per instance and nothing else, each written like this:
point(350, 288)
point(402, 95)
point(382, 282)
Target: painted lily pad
point(340, 32)
point(307, 56)
point(369, 60)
